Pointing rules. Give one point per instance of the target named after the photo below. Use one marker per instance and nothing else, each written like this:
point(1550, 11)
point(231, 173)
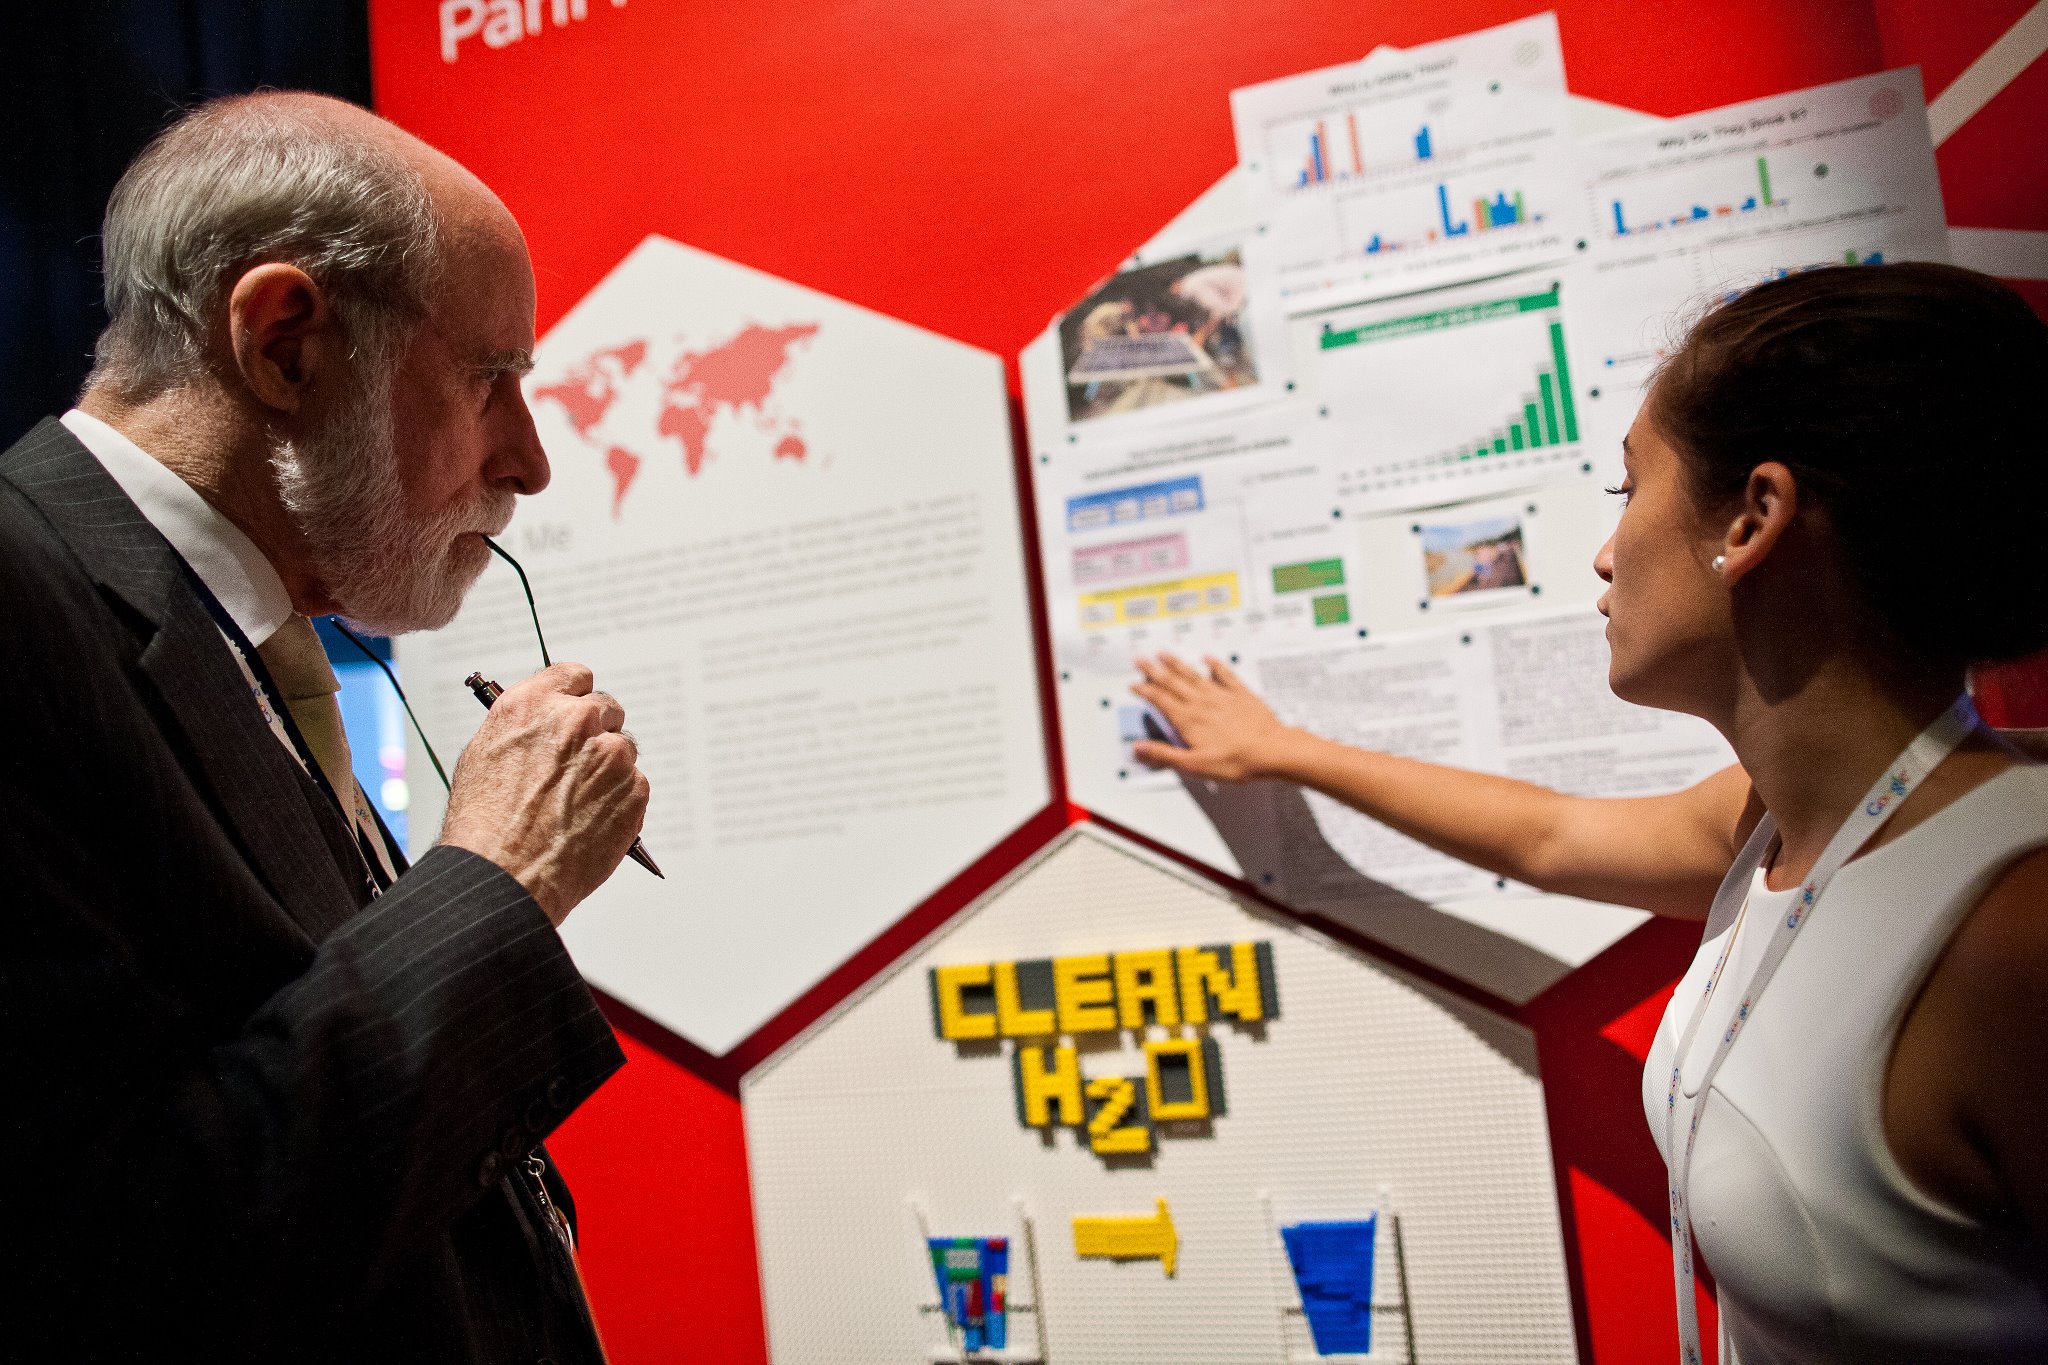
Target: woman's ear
point(1770, 500)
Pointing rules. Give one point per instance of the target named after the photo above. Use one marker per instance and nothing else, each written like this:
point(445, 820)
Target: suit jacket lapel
point(255, 783)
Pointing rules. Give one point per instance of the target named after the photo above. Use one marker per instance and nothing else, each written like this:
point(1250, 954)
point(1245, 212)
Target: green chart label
point(1317, 573)
point(1438, 320)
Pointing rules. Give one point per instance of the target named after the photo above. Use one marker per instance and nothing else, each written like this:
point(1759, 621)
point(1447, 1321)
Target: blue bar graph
point(1443, 208)
point(1315, 154)
point(1422, 152)
point(1698, 212)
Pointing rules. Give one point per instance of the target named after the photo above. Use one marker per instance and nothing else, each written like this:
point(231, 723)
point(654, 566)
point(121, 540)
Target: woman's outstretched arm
point(1665, 854)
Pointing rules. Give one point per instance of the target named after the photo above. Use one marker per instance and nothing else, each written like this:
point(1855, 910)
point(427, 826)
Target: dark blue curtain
point(83, 85)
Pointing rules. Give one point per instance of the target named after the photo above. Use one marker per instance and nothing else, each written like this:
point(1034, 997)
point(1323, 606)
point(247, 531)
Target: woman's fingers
point(1167, 703)
point(1159, 676)
point(1154, 754)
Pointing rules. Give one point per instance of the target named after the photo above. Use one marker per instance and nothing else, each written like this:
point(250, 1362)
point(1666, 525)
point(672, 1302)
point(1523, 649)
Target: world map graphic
point(693, 392)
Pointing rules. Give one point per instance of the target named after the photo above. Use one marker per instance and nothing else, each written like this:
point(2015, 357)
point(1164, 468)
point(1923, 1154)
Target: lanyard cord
point(1921, 757)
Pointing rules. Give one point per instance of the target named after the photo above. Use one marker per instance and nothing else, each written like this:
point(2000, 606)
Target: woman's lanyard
point(1922, 756)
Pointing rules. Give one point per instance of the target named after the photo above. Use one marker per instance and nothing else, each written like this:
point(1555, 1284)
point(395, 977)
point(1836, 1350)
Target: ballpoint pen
point(488, 692)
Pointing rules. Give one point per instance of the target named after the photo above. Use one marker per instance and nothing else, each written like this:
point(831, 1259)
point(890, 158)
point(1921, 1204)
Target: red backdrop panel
point(659, 1171)
point(972, 168)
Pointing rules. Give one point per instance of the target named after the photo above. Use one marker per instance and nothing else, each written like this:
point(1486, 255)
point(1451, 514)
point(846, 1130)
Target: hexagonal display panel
point(783, 530)
point(1198, 1131)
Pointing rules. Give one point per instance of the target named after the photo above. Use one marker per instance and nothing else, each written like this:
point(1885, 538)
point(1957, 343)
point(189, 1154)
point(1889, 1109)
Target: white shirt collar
point(227, 561)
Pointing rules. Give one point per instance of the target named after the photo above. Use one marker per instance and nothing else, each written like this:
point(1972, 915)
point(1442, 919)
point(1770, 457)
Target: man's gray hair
point(242, 181)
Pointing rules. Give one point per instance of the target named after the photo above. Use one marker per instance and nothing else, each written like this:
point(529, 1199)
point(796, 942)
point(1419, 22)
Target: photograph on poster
point(1159, 334)
point(1141, 721)
point(1521, 553)
point(1467, 558)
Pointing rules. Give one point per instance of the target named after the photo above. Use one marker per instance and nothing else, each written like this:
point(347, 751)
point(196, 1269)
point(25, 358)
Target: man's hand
point(1231, 735)
point(548, 789)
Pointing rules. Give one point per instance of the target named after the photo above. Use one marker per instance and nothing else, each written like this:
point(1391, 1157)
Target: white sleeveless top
point(1822, 1248)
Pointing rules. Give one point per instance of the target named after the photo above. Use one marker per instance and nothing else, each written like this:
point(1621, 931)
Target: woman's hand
point(1231, 735)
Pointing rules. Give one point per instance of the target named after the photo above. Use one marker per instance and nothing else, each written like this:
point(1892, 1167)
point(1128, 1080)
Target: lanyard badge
point(1921, 757)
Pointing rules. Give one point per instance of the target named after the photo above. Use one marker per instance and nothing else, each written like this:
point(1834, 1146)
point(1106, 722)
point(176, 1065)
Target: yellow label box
point(1159, 601)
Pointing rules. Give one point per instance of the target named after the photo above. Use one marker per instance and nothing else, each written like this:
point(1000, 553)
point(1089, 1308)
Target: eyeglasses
point(392, 678)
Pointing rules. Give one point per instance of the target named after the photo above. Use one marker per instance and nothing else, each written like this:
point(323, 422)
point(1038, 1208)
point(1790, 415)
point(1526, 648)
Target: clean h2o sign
point(1044, 1003)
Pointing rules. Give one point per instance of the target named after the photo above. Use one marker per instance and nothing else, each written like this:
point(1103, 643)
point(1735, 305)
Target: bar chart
point(1758, 199)
point(1435, 213)
point(1404, 386)
point(1324, 161)
point(1835, 155)
point(1409, 170)
point(1694, 211)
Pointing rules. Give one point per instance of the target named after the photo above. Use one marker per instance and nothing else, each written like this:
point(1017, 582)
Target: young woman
point(1833, 507)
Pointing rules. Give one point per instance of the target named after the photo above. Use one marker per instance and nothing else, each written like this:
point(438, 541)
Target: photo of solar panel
point(1158, 333)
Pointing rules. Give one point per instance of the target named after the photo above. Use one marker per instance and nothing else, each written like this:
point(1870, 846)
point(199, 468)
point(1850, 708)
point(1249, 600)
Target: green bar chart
point(1409, 384)
point(1534, 428)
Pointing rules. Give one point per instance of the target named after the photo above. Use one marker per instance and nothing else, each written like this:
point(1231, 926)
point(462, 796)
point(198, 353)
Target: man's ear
point(1770, 501)
point(281, 333)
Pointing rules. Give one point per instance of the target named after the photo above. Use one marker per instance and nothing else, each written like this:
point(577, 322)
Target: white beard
point(388, 571)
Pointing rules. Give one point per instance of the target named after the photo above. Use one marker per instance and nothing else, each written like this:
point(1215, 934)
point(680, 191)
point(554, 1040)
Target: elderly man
point(272, 1095)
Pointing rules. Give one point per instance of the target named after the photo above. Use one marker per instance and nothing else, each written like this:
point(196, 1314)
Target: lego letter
point(1146, 978)
point(507, 25)
point(1236, 991)
point(956, 1024)
point(1012, 1019)
point(459, 19)
point(1107, 1132)
point(1180, 1054)
point(1082, 991)
point(1036, 1086)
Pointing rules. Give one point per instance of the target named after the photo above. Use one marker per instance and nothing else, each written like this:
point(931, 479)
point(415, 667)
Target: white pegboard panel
point(1369, 1090)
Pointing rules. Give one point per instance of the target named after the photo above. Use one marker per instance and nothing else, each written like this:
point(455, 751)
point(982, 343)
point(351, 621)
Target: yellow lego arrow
point(1129, 1237)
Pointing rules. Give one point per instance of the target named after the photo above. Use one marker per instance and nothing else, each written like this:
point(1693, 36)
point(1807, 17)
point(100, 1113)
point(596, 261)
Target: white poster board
point(1358, 1092)
point(1397, 552)
point(784, 532)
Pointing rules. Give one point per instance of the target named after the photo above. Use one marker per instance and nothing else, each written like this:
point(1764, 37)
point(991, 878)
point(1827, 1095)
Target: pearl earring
point(1720, 563)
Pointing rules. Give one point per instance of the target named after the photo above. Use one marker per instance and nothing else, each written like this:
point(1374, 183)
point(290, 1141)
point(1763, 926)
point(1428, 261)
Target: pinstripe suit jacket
point(244, 1117)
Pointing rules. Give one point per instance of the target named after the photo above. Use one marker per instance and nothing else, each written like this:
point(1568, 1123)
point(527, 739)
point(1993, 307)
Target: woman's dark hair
point(1908, 402)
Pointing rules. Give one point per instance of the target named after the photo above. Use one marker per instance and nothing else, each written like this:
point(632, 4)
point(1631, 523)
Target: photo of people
point(1473, 556)
point(1158, 333)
